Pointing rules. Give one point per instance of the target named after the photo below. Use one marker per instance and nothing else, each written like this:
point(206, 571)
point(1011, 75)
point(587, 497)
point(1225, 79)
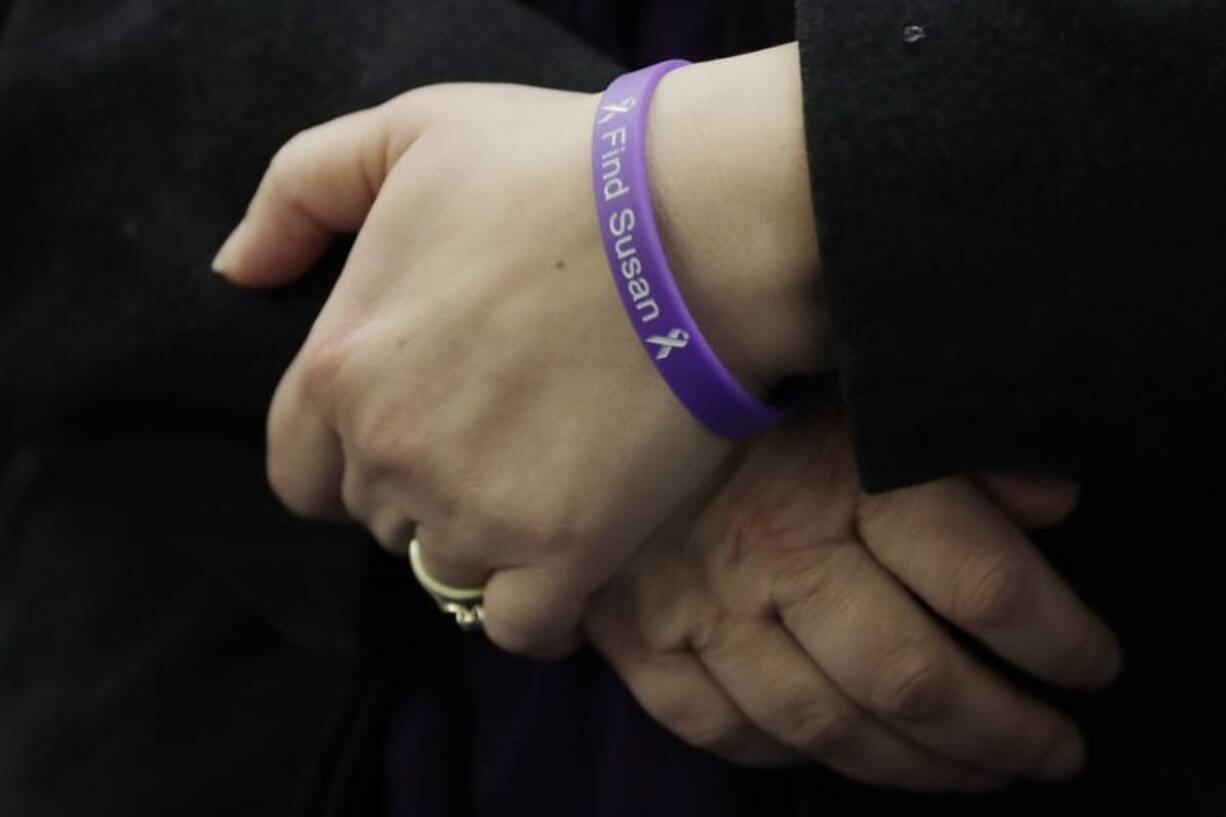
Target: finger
point(1031, 500)
point(449, 562)
point(780, 689)
point(535, 610)
point(373, 503)
point(305, 461)
point(678, 692)
point(321, 182)
point(532, 610)
point(886, 653)
point(973, 566)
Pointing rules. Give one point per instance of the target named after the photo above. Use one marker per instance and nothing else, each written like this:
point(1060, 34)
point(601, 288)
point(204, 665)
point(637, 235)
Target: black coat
point(1016, 284)
point(1020, 207)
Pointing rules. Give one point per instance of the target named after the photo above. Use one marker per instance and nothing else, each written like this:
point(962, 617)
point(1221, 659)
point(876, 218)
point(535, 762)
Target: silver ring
point(463, 603)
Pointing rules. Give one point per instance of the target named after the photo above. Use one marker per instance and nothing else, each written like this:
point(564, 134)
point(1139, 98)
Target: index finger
point(957, 551)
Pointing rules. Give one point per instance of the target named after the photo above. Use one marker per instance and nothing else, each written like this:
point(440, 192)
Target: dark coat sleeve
point(171, 641)
point(1021, 206)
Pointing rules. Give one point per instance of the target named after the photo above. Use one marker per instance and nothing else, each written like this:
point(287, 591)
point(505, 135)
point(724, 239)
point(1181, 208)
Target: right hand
point(472, 380)
point(784, 620)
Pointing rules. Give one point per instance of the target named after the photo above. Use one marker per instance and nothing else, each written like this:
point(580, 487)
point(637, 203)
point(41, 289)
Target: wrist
point(730, 187)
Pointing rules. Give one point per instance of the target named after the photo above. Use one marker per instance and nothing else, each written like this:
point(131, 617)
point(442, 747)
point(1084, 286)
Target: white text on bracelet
point(622, 222)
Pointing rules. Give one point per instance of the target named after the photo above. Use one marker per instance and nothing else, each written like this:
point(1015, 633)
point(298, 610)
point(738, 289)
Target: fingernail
point(224, 260)
point(1065, 760)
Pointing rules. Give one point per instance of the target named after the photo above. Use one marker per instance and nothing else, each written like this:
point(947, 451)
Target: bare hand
point(473, 377)
point(786, 619)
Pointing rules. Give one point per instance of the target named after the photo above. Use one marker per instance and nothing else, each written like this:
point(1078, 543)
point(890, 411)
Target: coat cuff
point(993, 183)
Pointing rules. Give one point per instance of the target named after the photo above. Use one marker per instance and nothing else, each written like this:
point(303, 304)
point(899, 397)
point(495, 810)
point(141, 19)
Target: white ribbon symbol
point(613, 109)
point(676, 339)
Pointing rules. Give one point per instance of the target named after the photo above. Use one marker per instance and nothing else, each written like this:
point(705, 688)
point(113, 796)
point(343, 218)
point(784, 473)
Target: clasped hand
point(473, 381)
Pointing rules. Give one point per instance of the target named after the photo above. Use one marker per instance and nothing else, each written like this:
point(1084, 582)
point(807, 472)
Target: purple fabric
point(485, 734)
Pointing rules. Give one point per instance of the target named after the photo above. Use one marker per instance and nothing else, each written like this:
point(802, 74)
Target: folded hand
point(473, 379)
point(793, 616)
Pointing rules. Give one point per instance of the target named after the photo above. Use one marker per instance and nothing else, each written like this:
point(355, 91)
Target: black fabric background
point(1020, 217)
point(171, 641)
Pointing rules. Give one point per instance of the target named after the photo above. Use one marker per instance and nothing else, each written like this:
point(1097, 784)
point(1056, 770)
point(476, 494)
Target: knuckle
point(288, 487)
point(383, 443)
point(524, 631)
point(355, 493)
point(324, 358)
point(282, 487)
point(820, 728)
point(913, 684)
point(991, 595)
point(665, 621)
point(514, 637)
point(722, 736)
point(895, 510)
point(871, 507)
point(713, 729)
point(817, 580)
point(710, 634)
point(420, 96)
point(287, 161)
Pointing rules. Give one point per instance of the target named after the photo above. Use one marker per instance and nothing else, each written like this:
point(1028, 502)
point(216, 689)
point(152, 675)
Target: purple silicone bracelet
point(640, 270)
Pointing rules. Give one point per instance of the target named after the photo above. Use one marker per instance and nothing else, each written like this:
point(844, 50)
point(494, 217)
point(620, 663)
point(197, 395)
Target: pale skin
point(472, 377)
point(779, 618)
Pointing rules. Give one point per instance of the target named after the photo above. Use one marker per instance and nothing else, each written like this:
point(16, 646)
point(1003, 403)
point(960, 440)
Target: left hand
point(791, 616)
point(473, 376)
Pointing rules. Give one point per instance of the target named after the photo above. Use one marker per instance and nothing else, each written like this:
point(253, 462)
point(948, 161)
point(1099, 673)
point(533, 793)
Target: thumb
point(321, 182)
